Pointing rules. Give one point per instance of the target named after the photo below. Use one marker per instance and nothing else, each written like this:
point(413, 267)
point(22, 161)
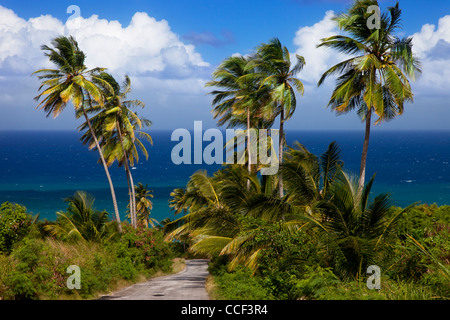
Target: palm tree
point(357, 232)
point(274, 63)
point(81, 220)
point(116, 125)
point(240, 97)
point(143, 204)
point(212, 221)
point(72, 82)
point(375, 80)
point(224, 218)
point(307, 179)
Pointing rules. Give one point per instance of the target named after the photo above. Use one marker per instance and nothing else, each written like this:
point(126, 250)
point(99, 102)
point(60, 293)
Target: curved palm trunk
point(362, 172)
point(133, 199)
point(111, 186)
point(280, 156)
point(248, 148)
point(130, 195)
point(133, 216)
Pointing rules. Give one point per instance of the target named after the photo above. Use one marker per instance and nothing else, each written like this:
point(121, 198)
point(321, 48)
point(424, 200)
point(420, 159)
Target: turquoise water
point(40, 169)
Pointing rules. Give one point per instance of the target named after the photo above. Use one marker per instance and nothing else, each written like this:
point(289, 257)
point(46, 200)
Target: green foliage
point(82, 220)
point(318, 240)
point(142, 247)
point(423, 252)
point(295, 265)
point(37, 266)
point(35, 270)
point(240, 285)
point(285, 259)
point(315, 283)
point(357, 232)
point(22, 287)
point(14, 225)
point(390, 290)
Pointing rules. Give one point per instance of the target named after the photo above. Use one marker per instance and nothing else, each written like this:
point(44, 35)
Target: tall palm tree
point(72, 82)
point(238, 96)
point(116, 125)
point(274, 62)
point(375, 79)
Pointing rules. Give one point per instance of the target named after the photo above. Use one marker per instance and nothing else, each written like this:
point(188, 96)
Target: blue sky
point(169, 49)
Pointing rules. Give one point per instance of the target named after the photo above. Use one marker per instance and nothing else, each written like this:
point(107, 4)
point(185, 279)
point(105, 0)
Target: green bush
point(145, 248)
point(423, 249)
point(14, 225)
point(285, 260)
point(315, 283)
point(240, 285)
point(293, 266)
point(21, 286)
point(36, 268)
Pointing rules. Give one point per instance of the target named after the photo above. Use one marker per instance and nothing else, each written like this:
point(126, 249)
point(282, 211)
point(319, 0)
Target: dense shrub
point(37, 266)
point(423, 251)
point(14, 225)
point(240, 285)
point(143, 247)
point(285, 259)
point(293, 266)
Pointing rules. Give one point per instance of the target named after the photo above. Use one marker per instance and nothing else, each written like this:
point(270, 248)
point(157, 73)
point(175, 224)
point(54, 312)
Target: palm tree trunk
point(130, 195)
point(111, 186)
point(280, 156)
point(362, 172)
point(248, 148)
point(133, 199)
point(133, 217)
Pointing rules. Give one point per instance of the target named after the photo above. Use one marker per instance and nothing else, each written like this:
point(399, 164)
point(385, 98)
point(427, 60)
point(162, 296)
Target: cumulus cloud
point(318, 60)
point(432, 47)
point(144, 46)
point(166, 73)
point(18, 37)
point(429, 37)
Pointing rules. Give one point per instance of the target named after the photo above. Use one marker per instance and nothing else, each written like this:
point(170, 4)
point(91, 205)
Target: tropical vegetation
point(34, 262)
point(72, 82)
point(310, 231)
point(374, 78)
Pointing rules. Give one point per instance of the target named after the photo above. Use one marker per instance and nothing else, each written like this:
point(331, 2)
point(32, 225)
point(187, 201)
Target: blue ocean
point(39, 169)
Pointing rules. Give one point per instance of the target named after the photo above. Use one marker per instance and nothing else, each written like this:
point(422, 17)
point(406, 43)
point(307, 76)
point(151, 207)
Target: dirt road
point(188, 284)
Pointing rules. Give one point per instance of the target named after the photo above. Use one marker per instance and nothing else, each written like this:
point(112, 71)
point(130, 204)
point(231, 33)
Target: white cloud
point(18, 38)
point(432, 47)
point(428, 37)
point(166, 73)
point(318, 60)
point(144, 46)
